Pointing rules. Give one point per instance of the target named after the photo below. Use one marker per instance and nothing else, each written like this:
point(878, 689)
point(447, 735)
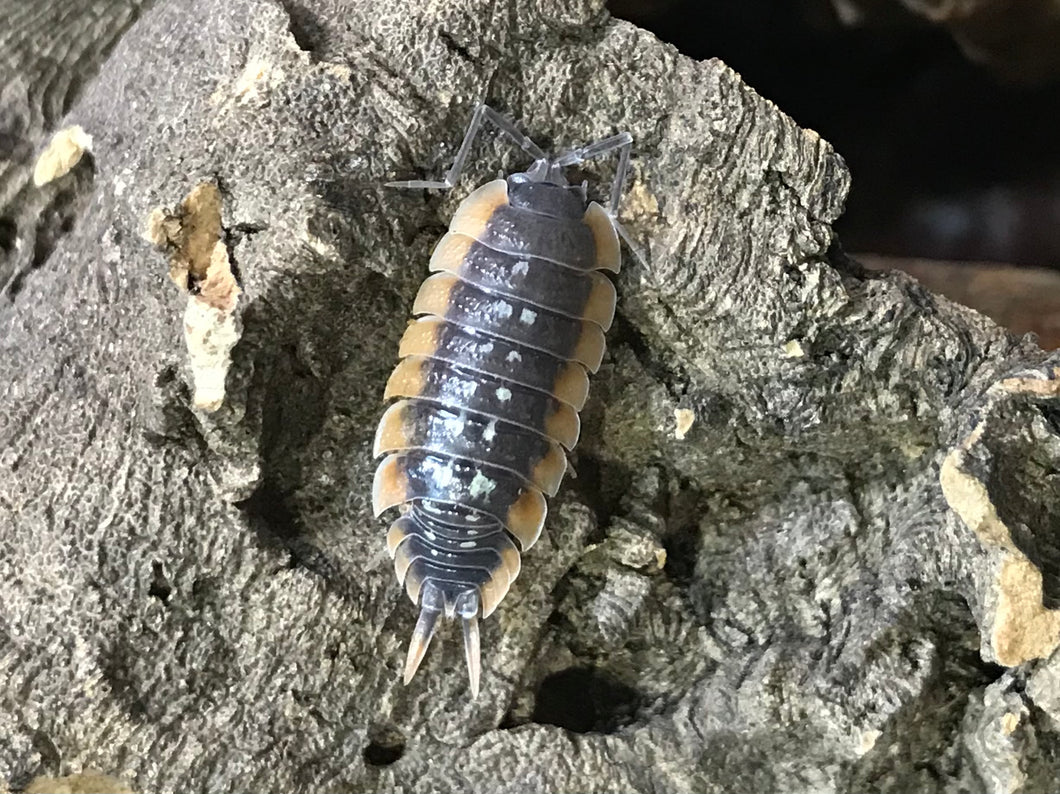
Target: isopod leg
point(622, 142)
point(482, 113)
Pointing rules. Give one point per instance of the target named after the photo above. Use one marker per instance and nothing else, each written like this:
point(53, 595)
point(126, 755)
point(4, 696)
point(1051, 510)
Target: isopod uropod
point(490, 381)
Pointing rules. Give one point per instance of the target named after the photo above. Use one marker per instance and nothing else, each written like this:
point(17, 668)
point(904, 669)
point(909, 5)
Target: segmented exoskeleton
point(491, 380)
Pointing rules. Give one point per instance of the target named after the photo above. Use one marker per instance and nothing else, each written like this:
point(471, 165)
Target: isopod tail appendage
point(421, 638)
point(472, 653)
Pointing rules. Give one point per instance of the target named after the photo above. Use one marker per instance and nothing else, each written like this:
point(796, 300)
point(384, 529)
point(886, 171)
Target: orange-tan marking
point(548, 473)
point(526, 517)
point(389, 487)
point(413, 584)
point(608, 253)
point(391, 435)
point(421, 337)
point(394, 537)
point(492, 593)
point(590, 348)
point(512, 561)
point(563, 425)
point(600, 308)
point(474, 212)
point(572, 385)
point(433, 297)
point(402, 561)
point(406, 380)
point(450, 252)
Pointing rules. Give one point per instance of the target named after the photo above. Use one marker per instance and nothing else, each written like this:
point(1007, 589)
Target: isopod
point(490, 380)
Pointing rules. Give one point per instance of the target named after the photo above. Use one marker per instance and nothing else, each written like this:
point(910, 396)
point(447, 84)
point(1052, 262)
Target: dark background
point(951, 159)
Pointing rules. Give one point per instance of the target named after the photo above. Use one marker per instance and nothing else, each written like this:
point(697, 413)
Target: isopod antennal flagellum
point(491, 377)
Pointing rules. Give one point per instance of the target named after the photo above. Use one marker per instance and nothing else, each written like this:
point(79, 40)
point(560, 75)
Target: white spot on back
point(434, 552)
point(514, 357)
point(521, 267)
point(504, 310)
point(442, 473)
point(430, 535)
point(455, 425)
point(527, 317)
point(486, 348)
point(468, 544)
point(481, 485)
point(490, 432)
point(504, 394)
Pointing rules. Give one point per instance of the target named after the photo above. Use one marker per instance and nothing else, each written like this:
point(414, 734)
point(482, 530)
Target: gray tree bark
point(842, 576)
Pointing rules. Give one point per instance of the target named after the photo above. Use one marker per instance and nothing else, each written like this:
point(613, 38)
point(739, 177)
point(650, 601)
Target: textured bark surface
point(782, 599)
point(48, 52)
point(1023, 299)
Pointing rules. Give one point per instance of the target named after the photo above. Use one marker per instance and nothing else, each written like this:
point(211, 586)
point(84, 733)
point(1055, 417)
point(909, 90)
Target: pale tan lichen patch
point(793, 349)
point(83, 783)
point(189, 233)
point(199, 265)
point(258, 79)
point(1037, 387)
point(1020, 627)
point(867, 740)
point(1009, 722)
point(62, 153)
point(684, 418)
point(218, 288)
point(210, 335)
point(639, 203)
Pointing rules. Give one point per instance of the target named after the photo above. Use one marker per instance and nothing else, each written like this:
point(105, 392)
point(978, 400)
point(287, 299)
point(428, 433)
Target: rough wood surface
point(49, 51)
point(780, 600)
point(1022, 299)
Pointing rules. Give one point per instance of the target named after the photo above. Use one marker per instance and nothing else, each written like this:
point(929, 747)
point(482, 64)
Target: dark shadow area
point(948, 161)
point(8, 234)
point(386, 744)
point(71, 194)
point(308, 31)
point(585, 700)
point(683, 537)
point(160, 587)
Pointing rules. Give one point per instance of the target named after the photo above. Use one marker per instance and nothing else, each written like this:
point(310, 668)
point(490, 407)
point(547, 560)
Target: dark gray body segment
point(490, 397)
point(476, 438)
point(544, 198)
point(534, 281)
point(513, 320)
point(446, 479)
point(471, 350)
point(567, 242)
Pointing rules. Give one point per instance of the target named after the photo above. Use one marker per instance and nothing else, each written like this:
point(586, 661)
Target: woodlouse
point(491, 379)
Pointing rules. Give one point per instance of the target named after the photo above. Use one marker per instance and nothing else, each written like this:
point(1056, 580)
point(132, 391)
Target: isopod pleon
point(490, 381)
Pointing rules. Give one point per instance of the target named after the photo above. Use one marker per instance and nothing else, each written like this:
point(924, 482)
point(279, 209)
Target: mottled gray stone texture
point(844, 577)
